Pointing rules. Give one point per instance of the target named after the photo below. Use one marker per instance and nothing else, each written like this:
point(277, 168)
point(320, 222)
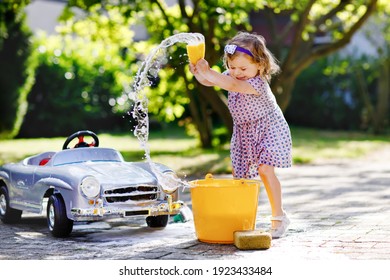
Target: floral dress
point(261, 134)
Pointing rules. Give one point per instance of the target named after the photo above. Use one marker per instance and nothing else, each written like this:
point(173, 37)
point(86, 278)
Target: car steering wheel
point(80, 135)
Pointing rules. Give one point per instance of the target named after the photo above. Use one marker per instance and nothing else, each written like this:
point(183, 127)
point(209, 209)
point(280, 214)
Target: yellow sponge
point(196, 52)
point(252, 239)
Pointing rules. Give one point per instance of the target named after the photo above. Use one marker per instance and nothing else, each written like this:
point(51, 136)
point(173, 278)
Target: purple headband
point(231, 49)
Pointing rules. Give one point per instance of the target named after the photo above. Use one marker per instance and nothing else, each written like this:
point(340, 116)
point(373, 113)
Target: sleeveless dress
point(261, 134)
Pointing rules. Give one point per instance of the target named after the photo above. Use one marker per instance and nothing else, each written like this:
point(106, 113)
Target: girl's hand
point(193, 69)
point(199, 75)
point(202, 66)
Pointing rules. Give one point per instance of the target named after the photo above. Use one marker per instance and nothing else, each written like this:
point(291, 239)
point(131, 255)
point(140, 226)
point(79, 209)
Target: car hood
point(115, 172)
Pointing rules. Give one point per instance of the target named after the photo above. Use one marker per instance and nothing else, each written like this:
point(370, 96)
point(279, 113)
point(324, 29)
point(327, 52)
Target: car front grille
point(133, 193)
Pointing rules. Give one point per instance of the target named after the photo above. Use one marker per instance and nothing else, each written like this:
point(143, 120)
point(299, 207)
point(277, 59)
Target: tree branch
point(272, 22)
point(332, 13)
point(183, 11)
point(297, 38)
point(195, 12)
point(327, 49)
point(287, 29)
point(162, 9)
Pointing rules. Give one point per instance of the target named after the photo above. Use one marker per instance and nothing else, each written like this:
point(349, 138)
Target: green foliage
point(16, 67)
point(87, 69)
point(169, 98)
point(327, 94)
point(80, 78)
point(217, 21)
point(177, 95)
point(322, 101)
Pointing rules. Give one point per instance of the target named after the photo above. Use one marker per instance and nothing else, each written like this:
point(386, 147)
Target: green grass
point(312, 145)
point(173, 148)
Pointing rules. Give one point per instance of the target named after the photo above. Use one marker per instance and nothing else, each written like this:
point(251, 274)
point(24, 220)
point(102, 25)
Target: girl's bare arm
point(223, 81)
point(199, 77)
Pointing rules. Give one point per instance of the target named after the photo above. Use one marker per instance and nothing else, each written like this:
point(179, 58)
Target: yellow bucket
point(223, 206)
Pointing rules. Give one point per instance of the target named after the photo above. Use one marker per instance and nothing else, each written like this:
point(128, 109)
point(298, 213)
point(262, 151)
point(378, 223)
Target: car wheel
point(157, 221)
point(8, 215)
point(57, 221)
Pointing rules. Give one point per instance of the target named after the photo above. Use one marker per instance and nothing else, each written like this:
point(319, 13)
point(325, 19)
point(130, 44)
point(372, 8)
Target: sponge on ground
point(252, 239)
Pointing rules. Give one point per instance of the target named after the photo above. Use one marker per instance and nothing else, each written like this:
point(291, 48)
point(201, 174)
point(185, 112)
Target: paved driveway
point(339, 210)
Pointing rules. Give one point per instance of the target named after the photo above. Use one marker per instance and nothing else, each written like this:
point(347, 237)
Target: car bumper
point(99, 212)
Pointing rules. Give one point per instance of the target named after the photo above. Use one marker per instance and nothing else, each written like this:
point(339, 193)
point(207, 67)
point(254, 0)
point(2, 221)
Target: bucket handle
point(209, 176)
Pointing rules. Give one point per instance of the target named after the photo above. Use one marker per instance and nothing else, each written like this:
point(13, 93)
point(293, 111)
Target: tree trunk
point(282, 88)
point(200, 117)
point(368, 113)
point(376, 115)
point(382, 106)
point(218, 103)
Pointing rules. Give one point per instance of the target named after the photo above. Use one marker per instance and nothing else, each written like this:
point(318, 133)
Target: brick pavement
point(339, 211)
point(341, 208)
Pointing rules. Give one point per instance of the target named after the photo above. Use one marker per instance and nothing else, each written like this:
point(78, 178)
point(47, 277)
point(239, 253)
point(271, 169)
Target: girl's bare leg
point(274, 190)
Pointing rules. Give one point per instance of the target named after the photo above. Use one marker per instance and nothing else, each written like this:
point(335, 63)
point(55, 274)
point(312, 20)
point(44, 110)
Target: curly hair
point(261, 55)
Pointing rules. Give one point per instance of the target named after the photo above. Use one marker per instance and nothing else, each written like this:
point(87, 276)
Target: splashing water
point(149, 69)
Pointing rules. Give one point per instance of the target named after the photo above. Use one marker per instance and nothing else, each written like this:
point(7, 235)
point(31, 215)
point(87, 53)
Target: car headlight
point(90, 187)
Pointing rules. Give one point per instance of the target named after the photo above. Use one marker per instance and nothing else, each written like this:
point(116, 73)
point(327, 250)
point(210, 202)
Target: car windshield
point(80, 155)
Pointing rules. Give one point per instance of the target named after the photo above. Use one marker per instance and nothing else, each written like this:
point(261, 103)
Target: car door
point(22, 179)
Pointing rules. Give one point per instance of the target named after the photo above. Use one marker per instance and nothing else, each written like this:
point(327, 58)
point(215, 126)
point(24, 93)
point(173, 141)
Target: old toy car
point(84, 183)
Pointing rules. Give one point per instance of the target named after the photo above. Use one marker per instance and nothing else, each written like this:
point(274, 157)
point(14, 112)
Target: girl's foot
point(280, 229)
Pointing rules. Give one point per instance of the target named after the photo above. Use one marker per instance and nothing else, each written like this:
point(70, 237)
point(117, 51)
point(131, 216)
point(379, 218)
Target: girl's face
point(242, 67)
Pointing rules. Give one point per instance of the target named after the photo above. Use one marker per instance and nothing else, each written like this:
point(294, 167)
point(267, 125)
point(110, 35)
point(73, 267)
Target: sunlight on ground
point(312, 152)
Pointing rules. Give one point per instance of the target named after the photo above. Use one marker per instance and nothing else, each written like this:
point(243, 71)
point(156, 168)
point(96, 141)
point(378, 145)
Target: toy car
point(84, 183)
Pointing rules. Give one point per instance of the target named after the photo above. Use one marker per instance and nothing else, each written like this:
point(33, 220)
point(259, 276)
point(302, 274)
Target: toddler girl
point(261, 137)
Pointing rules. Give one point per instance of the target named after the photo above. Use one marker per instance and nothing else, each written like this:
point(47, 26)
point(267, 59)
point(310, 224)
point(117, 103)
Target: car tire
point(57, 221)
point(8, 215)
point(157, 221)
